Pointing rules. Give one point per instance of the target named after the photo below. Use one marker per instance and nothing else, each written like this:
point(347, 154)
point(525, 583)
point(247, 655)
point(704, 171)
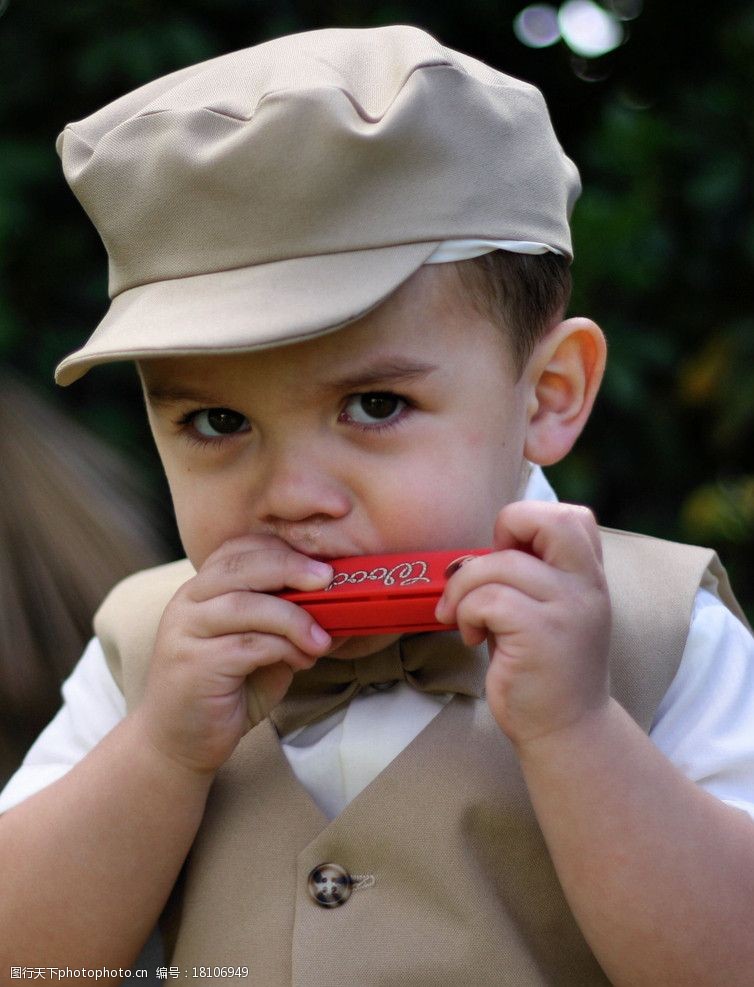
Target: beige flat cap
point(282, 191)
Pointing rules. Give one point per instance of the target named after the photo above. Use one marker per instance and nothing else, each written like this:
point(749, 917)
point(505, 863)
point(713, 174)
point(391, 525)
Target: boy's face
point(403, 431)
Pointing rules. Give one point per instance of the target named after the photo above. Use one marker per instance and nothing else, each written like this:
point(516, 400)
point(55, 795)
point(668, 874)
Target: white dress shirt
point(704, 725)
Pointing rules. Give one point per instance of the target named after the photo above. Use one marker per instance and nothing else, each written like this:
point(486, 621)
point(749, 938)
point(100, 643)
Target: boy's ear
point(564, 375)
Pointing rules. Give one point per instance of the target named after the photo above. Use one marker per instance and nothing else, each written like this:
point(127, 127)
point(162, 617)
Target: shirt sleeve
point(705, 722)
point(92, 705)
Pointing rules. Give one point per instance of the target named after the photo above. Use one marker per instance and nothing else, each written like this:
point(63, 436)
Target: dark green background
point(664, 236)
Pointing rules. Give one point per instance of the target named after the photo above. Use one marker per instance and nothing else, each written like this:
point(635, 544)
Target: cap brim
point(246, 308)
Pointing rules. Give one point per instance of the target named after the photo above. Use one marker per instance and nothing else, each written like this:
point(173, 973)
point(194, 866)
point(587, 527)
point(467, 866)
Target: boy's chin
point(359, 647)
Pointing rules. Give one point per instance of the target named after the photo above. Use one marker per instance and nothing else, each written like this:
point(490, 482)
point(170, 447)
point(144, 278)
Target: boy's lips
point(309, 539)
point(327, 556)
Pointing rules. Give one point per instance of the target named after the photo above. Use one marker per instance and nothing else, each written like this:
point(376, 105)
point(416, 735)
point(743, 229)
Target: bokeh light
point(588, 29)
point(537, 26)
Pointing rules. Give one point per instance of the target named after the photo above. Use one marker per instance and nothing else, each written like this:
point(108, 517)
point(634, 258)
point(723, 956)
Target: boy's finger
point(493, 609)
point(244, 543)
point(240, 654)
point(263, 568)
point(510, 567)
point(562, 535)
point(255, 613)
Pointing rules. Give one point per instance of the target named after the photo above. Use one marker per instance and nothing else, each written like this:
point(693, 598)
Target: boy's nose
point(296, 487)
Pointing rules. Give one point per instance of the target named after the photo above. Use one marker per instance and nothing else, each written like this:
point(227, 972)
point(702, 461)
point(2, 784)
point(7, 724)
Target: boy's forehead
point(419, 330)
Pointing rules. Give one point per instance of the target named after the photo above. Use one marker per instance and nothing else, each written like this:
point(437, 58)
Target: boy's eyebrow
point(389, 371)
point(385, 372)
point(158, 394)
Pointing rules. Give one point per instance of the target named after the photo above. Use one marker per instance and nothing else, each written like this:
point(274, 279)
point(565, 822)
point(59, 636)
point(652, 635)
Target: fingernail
point(320, 637)
point(321, 570)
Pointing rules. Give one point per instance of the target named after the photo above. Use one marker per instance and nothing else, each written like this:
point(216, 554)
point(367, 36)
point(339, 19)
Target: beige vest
point(454, 884)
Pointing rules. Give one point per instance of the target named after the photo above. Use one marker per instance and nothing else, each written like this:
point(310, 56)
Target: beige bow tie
point(435, 662)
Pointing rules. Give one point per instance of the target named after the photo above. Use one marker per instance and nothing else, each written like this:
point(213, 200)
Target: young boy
point(326, 375)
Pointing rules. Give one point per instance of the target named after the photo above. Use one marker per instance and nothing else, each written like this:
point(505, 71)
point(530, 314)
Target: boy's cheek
point(207, 515)
point(202, 534)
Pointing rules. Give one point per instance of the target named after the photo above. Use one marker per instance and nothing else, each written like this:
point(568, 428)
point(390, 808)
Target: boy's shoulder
point(629, 548)
point(150, 588)
point(656, 568)
point(127, 620)
point(653, 586)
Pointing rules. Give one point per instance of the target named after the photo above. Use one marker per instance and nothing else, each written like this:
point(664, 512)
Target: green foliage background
point(664, 233)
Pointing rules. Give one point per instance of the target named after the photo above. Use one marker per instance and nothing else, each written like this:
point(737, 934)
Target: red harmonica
point(383, 594)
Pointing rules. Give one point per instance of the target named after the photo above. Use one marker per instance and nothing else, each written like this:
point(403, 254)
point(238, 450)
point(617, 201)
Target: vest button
point(329, 885)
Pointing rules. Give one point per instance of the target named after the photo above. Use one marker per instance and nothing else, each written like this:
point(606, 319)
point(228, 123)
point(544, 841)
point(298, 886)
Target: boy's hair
point(522, 293)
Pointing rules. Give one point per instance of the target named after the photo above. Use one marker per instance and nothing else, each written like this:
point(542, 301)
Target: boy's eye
point(219, 421)
point(376, 406)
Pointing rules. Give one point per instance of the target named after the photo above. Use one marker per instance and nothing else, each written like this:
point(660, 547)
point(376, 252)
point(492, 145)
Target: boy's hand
point(220, 627)
point(542, 602)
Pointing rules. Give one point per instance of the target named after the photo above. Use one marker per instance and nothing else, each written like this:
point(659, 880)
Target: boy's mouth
point(313, 548)
point(324, 556)
point(308, 539)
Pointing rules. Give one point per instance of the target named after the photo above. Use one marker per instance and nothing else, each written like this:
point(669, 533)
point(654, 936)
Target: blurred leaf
point(721, 511)
point(703, 376)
